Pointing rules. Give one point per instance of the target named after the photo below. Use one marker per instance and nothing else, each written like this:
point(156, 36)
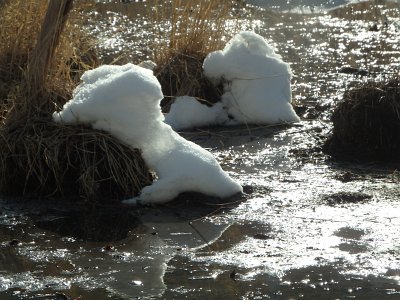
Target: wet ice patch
point(256, 80)
point(125, 101)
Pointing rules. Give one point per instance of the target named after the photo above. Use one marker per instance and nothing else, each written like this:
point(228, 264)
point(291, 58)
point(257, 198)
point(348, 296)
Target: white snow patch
point(258, 89)
point(186, 112)
point(125, 101)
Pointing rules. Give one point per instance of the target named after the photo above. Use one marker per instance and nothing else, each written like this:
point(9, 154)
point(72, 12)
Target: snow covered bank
point(257, 81)
point(125, 101)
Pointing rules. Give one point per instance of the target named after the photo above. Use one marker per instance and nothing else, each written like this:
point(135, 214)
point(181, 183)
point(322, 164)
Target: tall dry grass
point(37, 156)
point(194, 27)
point(187, 31)
point(20, 25)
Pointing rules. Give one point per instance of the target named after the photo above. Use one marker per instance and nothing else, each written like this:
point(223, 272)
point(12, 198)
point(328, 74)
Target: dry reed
point(194, 29)
point(20, 26)
point(37, 156)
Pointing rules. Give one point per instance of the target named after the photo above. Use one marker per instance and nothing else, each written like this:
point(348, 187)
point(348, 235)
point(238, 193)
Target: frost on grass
point(256, 83)
point(125, 101)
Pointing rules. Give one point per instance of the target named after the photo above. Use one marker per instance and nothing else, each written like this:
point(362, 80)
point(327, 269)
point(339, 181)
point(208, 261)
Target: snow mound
point(258, 87)
point(105, 96)
point(186, 112)
point(125, 101)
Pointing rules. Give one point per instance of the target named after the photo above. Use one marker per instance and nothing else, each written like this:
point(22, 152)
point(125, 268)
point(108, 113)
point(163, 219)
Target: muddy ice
point(307, 227)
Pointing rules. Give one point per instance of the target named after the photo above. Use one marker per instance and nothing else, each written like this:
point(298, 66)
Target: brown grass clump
point(196, 29)
point(37, 156)
point(183, 75)
point(367, 123)
point(48, 159)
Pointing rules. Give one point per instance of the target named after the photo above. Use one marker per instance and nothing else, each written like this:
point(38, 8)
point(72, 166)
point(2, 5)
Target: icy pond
point(307, 227)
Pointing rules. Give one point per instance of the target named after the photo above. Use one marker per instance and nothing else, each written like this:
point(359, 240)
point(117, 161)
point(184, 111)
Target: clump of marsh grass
point(37, 156)
point(196, 28)
point(367, 123)
point(183, 75)
point(48, 159)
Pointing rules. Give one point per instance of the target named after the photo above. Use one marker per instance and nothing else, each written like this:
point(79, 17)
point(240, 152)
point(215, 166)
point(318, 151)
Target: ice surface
point(186, 112)
point(257, 88)
point(125, 101)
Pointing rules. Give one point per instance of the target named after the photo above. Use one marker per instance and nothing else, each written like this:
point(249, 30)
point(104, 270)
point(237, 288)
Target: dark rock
point(14, 243)
point(354, 71)
point(374, 27)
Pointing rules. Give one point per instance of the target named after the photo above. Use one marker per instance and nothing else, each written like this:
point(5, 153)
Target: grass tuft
point(39, 158)
point(367, 123)
point(47, 159)
point(196, 28)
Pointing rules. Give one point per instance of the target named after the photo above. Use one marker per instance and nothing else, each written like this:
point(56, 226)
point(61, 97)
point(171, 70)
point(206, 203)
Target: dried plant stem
point(43, 53)
point(197, 28)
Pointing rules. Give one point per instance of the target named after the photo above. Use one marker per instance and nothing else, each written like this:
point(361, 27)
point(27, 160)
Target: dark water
point(307, 228)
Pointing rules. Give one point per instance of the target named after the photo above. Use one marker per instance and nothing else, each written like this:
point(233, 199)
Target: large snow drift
point(257, 88)
point(125, 101)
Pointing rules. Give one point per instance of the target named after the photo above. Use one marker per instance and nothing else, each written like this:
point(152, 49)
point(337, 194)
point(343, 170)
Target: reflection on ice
point(357, 237)
point(116, 271)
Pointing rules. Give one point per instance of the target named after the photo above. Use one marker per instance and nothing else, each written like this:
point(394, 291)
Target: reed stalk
point(188, 31)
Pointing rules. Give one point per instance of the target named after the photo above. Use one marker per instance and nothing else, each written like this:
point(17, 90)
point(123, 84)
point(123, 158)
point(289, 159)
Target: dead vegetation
point(37, 156)
point(197, 28)
point(46, 159)
point(367, 123)
point(41, 158)
point(183, 75)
